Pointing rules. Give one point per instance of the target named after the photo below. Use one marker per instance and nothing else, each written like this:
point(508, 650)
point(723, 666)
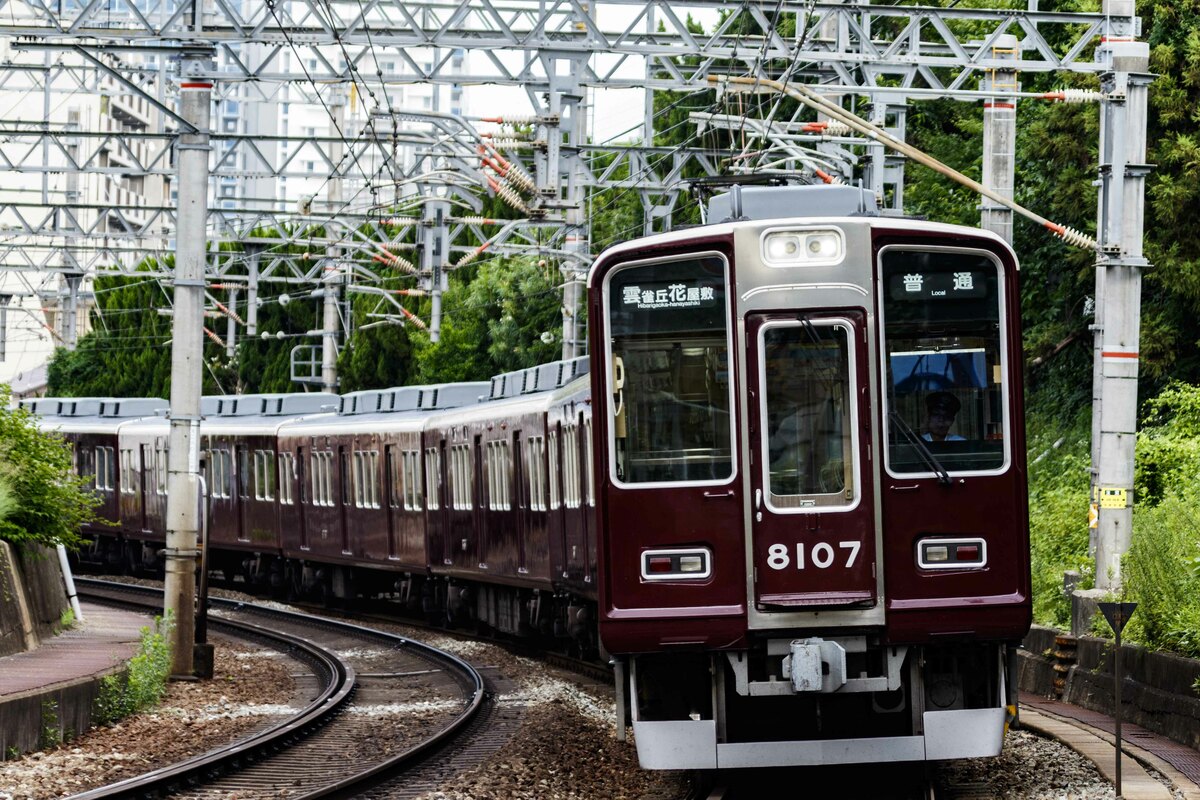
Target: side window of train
point(322, 478)
point(105, 478)
point(126, 472)
point(264, 475)
point(224, 481)
point(499, 467)
point(433, 471)
point(571, 466)
point(555, 476)
point(536, 470)
point(589, 462)
point(668, 372)
point(460, 477)
point(946, 361)
point(287, 474)
point(412, 480)
point(160, 468)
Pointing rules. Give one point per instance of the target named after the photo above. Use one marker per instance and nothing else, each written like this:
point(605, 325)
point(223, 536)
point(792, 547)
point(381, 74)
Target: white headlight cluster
point(802, 248)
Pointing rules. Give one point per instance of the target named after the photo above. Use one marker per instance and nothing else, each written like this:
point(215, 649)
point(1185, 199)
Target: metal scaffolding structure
point(396, 187)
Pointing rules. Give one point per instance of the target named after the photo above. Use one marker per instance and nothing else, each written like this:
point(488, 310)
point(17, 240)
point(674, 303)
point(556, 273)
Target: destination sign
point(919, 285)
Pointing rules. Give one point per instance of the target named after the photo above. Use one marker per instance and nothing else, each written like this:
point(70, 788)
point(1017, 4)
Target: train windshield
point(945, 360)
point(669, 371)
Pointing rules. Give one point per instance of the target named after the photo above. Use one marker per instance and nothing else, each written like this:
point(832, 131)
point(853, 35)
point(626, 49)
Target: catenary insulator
point(511, 120)
point(472, 256)
point(827, 128)
point(827, 178)
point(512, 144)
point(392, 260)
point(1075, 96)
point(1072, 236)
point(509, 196)
point(414, 319)
point(475, 220)
point(520, 177)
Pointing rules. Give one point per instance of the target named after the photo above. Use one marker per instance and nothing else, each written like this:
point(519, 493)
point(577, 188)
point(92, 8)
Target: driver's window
point(943, 342)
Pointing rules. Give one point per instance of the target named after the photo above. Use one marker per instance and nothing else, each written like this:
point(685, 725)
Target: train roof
point(411, 408)
point(531, 403)
point(801, 205)
point(261, 414)
point(92, 414)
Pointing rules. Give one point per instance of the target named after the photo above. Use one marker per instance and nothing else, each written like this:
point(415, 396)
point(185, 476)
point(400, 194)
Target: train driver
point(940, 410)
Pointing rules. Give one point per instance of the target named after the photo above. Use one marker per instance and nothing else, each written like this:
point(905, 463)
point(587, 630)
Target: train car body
point(248, 480)
point(356, 521)
point(798, 562)
point(93, 427)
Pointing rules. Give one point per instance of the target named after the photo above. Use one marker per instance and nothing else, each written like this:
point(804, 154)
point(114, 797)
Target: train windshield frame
point(670, 399)
point(945, 361)
point(809, 411)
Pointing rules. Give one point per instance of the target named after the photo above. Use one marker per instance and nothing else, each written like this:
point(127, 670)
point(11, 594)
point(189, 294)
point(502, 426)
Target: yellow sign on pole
point(1093, 516)
point(1112, 497)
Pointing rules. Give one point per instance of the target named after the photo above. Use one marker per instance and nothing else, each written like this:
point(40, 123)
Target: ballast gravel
point(564, 749)
point(251, 688)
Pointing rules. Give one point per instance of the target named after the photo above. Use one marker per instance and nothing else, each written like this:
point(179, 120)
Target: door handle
point(911, 488)
point(727, 493)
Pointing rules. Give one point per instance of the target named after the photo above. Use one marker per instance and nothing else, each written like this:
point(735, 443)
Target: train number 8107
point(822, 555)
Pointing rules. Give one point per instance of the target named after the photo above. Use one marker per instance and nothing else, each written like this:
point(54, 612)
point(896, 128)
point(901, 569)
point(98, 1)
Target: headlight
point(802, 248)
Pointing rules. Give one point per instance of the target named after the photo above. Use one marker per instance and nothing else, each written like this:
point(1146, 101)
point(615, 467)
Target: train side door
point(391, 497)
point(478, 512)
point(302, 494)
point(344, 496)
point(812, 506)
point(521, 496)
point(443, 479)
point(142, 479)
point(242, 500)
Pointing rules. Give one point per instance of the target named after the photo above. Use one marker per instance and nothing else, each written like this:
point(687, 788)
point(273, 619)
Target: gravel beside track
point(252, 688)
point(562, 743)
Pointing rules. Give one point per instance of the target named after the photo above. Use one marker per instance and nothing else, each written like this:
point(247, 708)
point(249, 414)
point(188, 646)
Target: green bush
point(48, 504)
point(1058, 503)
point(143, 683)
point(1161, 573)
point(1168, 446)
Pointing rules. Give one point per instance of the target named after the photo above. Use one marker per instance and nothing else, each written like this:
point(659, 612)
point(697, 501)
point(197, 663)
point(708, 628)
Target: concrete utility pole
point(1119, 267)
point(187, 340)
point(999, 139)
point(333, 265)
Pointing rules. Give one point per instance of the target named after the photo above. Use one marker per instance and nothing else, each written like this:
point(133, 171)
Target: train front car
point(813, 527)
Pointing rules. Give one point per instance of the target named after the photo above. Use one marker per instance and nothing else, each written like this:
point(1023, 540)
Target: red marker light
point(966, 552)
point(658, 564)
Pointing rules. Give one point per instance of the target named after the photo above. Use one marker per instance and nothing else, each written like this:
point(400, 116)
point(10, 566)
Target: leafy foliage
point(1058, 501)
point(1161, 573)
point(143, 683)
point(49, 505)
point(493, 323)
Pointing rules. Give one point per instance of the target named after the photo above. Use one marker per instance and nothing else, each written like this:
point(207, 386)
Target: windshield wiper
point(916, 441)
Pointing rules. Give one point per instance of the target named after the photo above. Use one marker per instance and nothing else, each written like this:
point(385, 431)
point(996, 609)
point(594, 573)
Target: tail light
point(951, 553)
point(676, 565)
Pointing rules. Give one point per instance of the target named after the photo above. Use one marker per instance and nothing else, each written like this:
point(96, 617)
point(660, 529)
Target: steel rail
point(192, 772)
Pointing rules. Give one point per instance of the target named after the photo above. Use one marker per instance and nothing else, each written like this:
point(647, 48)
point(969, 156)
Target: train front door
point(812, 508)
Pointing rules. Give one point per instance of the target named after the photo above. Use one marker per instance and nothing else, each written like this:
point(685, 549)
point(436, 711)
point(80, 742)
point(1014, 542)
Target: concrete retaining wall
point(32, 597)
point(45, 716)
point(1157, 691)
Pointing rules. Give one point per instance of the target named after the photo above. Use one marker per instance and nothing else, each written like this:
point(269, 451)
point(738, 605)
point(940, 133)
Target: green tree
point(494, 322)
point(48, 504)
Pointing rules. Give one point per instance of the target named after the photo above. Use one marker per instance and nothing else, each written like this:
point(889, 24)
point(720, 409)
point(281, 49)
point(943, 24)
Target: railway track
point(382, 705)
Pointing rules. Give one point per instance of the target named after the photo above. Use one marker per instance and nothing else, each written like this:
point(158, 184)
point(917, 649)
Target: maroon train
point(796, 509)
